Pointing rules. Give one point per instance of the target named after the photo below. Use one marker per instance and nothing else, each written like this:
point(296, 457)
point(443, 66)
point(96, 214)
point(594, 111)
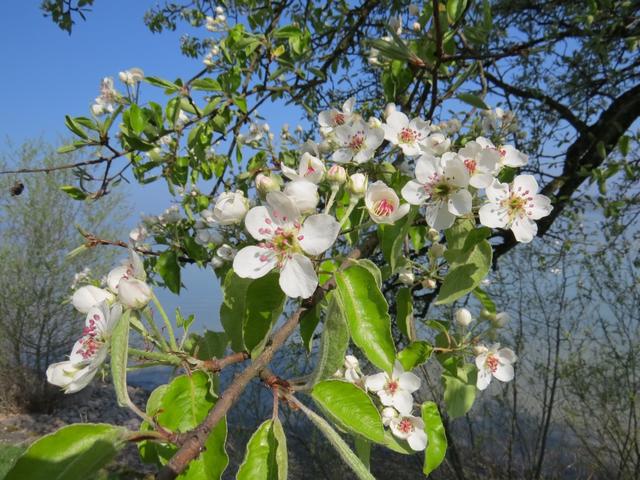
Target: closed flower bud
point(500, 319)
point(433, 234)
point(374, 122)
point(463, 317)
point(406, 277)
point(429, 283)
point(389, 109)
point(230, 208)
point(266, 184)
point(417, 27)
point(357, 184)
point(486, 314)
point(219, 10)
point(337, 175)
point(217, 262)
point(134, 293)
point(226, 252)
point(479, 349)
point(437, 250)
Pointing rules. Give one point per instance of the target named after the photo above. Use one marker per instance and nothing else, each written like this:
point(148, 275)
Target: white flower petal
point(541, 207)
point(496, 192)
point(417, 440)
point(318, 233)
point(504, 372)
point(481, 180)
point(506, 355)
point(254, 262)
point(524, 229)
point(460, 202)
point(88, 296)
point(493, 215)
point(403, 402)
point(414, 193)
point(438, 216)
point(426, 166)
point(409, 382)
point(484, 379)
point(386, 398)
point(298, 277)
point(259, 223)
point(342, 155)
point(525, 185)
point(282, 208)
point(375, 383)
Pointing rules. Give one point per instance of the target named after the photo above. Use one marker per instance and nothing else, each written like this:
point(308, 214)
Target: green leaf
point(363, 450)
point(455, 9)
point(392, 240)
point(159, 82)
point(459, 390)
point(137, 119)
point(169, 269)
point(350, 458)
point(350, 408)
point(74, 192)
point(308, 323)
point(233, 308)
point(333, 343)
point(473, 100)
point(120, 358)
point(179, 407)
point(373, 269)
point(211, 345)
point(366, 312)
point(73, 452)
point(404, 312)
point(266, 455)
point(437, 438)
point(207, 84)
point(264, 304)
point(75, 127)
point(415, 354)
point(485, 299)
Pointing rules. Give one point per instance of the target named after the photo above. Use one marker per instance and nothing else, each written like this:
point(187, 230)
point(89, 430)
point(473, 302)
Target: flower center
point(392, 387)
point(90, 340)
point(405, 426)
point(492, 363)
point(357, 141)
point(284, 242)
point(441, 190)
point(471, 165)
point(338, 118)
point(310, 170)
point(408, 135)
point(519, 203)
point(383, 208)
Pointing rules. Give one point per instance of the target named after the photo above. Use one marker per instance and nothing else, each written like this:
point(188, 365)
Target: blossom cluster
point(126, 288)
point(394, 395)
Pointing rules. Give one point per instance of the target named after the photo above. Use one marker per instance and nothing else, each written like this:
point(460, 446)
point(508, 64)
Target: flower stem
point(156, 331)
point(332, 198)
point(352, 205)
point(158, 356)
point(167, 323)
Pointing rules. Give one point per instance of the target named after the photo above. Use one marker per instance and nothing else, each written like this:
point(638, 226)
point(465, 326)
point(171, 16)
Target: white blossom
point(107, 100)
point(463, 317)
point(442, 185)
point(87, 297)
point(394, 390)
point(357, 184)
point(409, 428)
point(515, 206)
point(482, 163)
point(330, 119)
point(357, 142)
point(406, 134)
point(304, 194)
point(383, 204)
point(285, 242)
point(230, 208)
point(311, 169)
point(497, 362)
point(131, 76)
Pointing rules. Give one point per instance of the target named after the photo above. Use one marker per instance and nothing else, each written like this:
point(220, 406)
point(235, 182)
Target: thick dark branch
point(585, 155)
point(564, 111)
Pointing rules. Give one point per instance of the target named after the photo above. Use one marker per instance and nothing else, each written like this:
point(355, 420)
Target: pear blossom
point(304, 194)
point(266, 183)
point(357, 142)
point(88, 296)
point(311, 169)
point(131, 268)
point(515, 206)
point(337, 175)
point(226, 252)
point(442, 183)
point(285, 242)
point(406, 276)
point(394, 390)
point(482, 163)
point(436, 144)
point(405, 133)
point(106, 102)
point(131, 76)
point(508, 155)
point(89, 352)
point(383, 204)
point(500, 319)
point(134, 293)
point(352, 372)
point(230, 208)
point(207, 236)
point(330, 119)
point(409, 428)
point(494, 361)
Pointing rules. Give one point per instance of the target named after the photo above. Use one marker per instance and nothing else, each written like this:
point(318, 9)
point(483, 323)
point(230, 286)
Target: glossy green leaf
point(366, 312)
point(120, 358)
point(73, 452)
point(137, 119)
point(169, 269)
point(350, 407)
point(416, 353)
point(333, 343)
point(373, 269)
point(266, 454)
point(74, 192)
point(455, 9)
point(485, 299)
point(459, 390)
point(437, 438)
point(363, 450)
point(392, 239)
point(404, 312)
point(308, 323)
point(232, 310)
point(473, 100)
point(75, 127)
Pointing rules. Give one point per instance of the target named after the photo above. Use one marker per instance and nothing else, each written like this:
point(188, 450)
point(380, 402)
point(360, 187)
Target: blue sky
point(48, 74)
